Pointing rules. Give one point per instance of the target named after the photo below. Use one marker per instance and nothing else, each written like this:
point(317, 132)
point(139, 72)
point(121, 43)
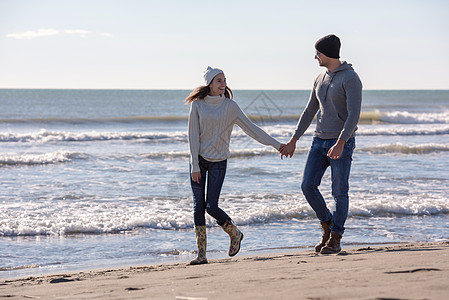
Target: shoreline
point(400, 271)
point(17, 273)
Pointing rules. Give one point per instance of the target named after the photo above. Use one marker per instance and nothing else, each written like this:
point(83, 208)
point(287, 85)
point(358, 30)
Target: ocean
point(100, 178)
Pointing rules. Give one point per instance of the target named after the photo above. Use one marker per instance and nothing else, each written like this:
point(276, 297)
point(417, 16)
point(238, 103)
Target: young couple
point(335, 100)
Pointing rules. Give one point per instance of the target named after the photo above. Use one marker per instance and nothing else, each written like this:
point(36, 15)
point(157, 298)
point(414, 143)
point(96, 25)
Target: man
point(336, 101)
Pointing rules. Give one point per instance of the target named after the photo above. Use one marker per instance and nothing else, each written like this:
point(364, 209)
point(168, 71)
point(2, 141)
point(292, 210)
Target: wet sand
point(406, 271)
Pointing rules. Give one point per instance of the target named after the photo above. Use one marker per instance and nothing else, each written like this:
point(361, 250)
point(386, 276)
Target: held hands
point(289, 148)
point(281, 148)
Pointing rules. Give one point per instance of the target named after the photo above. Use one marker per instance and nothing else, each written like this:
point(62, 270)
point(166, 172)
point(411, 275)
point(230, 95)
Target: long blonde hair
point(202, 91)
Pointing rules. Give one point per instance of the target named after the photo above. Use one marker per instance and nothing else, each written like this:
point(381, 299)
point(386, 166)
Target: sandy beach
point(406, 271)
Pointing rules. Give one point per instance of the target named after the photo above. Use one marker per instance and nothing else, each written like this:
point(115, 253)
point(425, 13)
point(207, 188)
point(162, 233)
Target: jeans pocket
point(349, 148)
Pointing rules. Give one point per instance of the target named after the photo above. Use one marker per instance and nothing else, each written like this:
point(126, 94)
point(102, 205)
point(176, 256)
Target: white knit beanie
point(210, 73)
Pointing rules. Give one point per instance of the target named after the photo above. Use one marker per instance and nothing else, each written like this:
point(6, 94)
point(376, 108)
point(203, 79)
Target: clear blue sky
point(259, 44)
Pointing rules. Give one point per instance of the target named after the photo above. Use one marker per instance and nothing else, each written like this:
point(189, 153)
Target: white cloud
point(50, 32)
point(80, 32)
point(33, 34)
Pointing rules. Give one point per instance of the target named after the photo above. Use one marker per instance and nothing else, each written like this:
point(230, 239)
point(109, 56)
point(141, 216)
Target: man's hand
point(336, 150)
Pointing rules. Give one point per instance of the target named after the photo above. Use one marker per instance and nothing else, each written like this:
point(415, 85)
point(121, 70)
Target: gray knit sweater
point(210, 125)
point(337, 98)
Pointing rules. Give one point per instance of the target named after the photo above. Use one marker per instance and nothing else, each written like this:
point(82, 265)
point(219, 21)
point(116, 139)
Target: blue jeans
point(316, 165)
point(215, 173)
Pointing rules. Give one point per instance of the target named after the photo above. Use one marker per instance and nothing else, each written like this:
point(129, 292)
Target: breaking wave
point(78, 216)
point(40, 159)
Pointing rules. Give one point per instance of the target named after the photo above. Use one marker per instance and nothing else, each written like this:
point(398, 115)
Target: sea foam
point(282, 132)
point(404, 117)
point(63, 217)
point(39, 159)
point(45, 136)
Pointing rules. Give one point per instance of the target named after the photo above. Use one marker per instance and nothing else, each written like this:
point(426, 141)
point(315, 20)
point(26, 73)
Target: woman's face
point(218, 85)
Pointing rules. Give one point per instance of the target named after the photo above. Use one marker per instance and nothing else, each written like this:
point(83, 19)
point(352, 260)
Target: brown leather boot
point(333, 245)
point(326, 226)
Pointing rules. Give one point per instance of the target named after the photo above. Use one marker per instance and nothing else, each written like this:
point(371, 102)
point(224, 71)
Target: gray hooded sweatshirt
point(337, 98)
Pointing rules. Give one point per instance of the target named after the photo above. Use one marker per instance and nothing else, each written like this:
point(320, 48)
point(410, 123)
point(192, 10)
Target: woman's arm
point(253, 130)
point(194, 138)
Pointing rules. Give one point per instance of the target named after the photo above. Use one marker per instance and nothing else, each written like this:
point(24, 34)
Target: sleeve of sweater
point(307, 115)
point(353, 88)
point(194, 137)
point(252, 129)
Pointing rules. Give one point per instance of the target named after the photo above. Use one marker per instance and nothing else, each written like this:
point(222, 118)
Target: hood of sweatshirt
point(344, 66)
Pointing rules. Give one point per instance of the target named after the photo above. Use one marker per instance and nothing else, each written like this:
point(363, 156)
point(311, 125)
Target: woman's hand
point(281, 148)
point(196, 176)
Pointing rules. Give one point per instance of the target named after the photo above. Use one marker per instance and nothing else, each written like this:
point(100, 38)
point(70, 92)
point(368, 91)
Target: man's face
point(321, 58)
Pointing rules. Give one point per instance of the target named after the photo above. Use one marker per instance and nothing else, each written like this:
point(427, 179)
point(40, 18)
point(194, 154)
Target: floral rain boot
point(201, 241)
point(235, 235)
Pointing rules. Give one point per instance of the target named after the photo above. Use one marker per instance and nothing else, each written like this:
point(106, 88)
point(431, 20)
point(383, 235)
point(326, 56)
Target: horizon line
point(240, 89)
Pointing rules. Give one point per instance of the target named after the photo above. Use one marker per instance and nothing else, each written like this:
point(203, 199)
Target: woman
point(212, 117)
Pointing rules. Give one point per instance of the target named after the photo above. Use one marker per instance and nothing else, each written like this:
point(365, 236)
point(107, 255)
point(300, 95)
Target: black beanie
point(329, 46)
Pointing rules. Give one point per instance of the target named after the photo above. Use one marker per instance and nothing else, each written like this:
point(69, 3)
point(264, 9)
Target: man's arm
point(353, 89)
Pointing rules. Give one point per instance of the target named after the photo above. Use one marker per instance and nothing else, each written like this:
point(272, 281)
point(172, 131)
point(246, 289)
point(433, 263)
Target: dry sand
point(418, 271)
